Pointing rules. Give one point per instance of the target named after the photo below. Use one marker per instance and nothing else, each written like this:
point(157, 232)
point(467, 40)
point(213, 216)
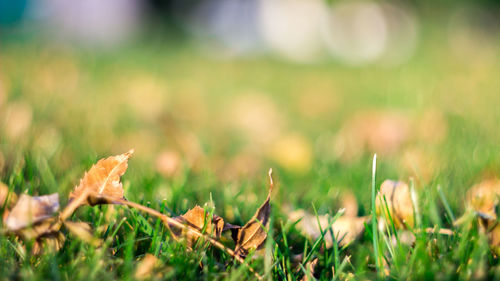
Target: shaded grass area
point(86, 99)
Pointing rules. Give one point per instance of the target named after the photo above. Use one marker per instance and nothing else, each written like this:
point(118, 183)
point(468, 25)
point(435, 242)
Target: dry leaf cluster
point(38, 217)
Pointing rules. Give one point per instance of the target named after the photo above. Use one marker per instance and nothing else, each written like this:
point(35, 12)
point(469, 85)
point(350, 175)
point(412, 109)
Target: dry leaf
point(253, 234)
point(6, 197)
point(293, 152)
point(83, 231)
point(310, 266)
point(349, 204)
point(169, 163)
point(483, 197)
point(381, 132)
point(399, 204)
point(103, 179)
point(52, 241)
point(405, 237)
point(29, 211)
point(346, 229)
point(146, 267)
point(196, 218)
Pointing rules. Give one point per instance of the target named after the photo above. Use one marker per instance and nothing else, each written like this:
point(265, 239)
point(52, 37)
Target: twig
point(443, 231)
point(170, 221)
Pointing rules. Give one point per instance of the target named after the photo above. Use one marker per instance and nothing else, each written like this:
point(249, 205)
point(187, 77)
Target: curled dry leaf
point(146, 267)
point(346, 229)
point(100, 185)
point(483, 198)
point(83, 231)
point(30, 211)
point(399, 204)
point(199, 219)
point(254, 233)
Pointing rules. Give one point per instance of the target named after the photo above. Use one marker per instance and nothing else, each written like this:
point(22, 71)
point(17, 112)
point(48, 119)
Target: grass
point(82, 110)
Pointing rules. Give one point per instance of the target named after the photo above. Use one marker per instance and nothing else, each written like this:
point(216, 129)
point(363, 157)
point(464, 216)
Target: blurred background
point(213, 93)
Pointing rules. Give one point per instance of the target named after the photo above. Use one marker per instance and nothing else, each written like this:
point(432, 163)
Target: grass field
point(206, 131)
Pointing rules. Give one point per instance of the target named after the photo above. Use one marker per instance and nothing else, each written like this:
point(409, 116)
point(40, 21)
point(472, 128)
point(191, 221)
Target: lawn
point(206, 131)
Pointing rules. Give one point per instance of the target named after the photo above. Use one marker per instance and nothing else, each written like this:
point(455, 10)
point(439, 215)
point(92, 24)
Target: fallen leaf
point(7, 198)
point(346, 229)
point(30, 210)
point(381, 132)
point(310, 266)
point(405, 237)
point(103, 179)
point(349, 203)
point(198, 219)
point(253, 234)
point(484, 197)
point(293, 152)
point(169, 163)
point(399, 204)
point(83, 231)
point(146, 267)
point(52, 241)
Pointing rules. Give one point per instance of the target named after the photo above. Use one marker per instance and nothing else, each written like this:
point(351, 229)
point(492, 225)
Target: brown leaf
point(253, 234)
point(146, 267)
point(83, 231)
point(30, 211)
point(399, 204)
point(310, 266)
point(381, 132)
point(6, 197)
point(169, 163)
point(103, 179)
point(345, 229)
point(484, 197)
point(196, 218)
point(52, 241)
point(349, 204)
